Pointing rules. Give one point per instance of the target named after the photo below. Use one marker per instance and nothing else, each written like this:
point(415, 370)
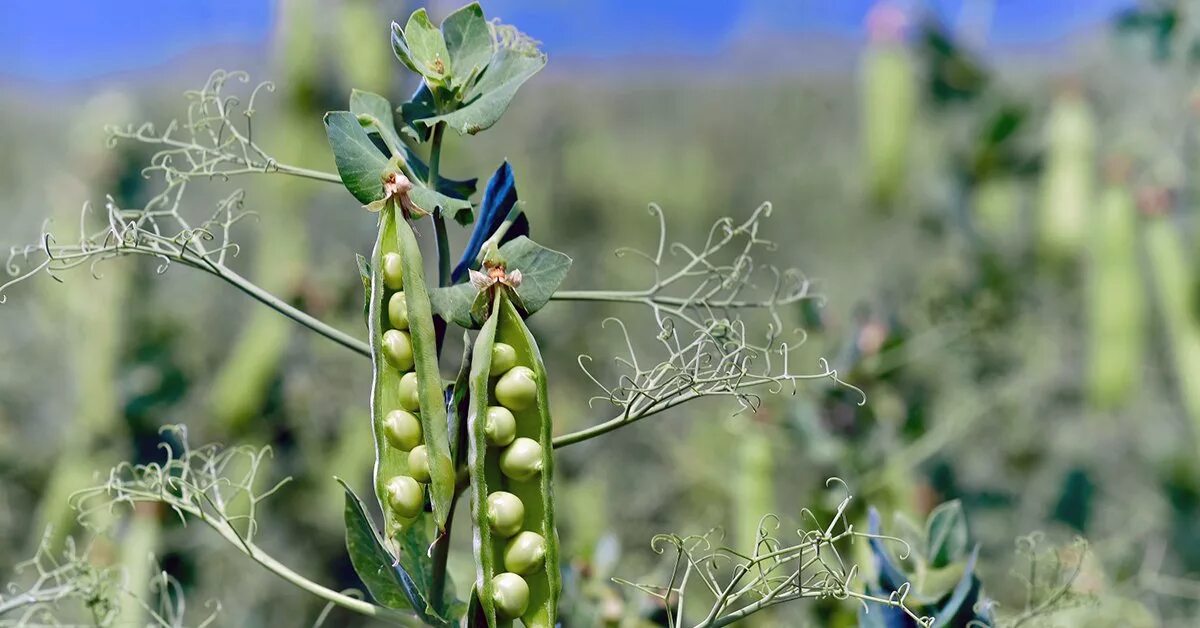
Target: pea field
point(400, 317)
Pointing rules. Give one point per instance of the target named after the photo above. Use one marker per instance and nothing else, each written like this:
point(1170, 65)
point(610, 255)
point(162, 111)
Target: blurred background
point(997, 201)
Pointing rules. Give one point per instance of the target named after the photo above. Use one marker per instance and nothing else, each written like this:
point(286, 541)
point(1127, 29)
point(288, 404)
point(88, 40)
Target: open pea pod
point(511, 469)
point(412, 446)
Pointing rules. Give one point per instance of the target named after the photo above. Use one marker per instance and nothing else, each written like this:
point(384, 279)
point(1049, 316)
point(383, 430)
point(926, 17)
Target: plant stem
point(277, 304)
point(439, 220)
point(250, 164)
point(620, 421)
point(441, 553)
point(359, 606)
point(650, 298)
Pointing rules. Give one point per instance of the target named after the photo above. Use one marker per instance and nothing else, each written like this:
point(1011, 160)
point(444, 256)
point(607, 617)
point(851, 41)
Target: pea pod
point(1116, 314)
point(516, 565)
point(1171, 268)
point(403, 342)
point(1066, 193)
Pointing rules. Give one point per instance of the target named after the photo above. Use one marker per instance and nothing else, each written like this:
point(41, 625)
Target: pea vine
point(776, 570)
point(49, 580)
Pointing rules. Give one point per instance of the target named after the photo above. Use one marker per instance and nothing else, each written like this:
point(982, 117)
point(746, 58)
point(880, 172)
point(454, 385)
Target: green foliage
point(471, 77)
point(359, 163)
point(542, 272)
point(935, 574)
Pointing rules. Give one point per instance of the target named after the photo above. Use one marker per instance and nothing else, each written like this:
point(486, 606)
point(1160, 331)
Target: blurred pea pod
point(755, 486)
point(243, 381)
point(1174, 285)
point(138, 545)
point(366, 61)
point(93, 328)
point(511, 467)
point(1116, 309)
point(1067, 180)
point(996, 205)
point(889, 104)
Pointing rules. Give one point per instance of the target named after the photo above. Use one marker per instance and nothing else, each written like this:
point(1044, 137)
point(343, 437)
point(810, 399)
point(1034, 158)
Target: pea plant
point(488, 432)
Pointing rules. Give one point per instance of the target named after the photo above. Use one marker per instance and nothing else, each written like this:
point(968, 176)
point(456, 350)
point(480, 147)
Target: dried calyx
point(396, 188)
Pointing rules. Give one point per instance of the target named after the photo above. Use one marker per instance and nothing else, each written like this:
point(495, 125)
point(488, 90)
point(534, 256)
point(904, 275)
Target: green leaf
point(359, 162)
point(401, 48)
point(427, 46)
point(487, 100)
point(542, 272)
point(946, 531)
point(450, 187)
point(363, 103)
point(418, 107)
point(427, 200)
point(469, 42)
point(364, 271)
point(385, 578)
point(396, 583)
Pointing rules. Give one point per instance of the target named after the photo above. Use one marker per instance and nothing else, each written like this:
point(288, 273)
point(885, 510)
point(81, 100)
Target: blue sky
point(59, 42)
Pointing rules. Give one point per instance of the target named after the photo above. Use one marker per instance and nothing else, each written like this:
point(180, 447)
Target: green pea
point(525, 552)
point(500, 426)
point(511, 594)
point(402, 429)
point(393, 271)
point(522, 459)
point(418, 464)
point(504, 357)
point(398, 311)
point(410, 392)
point(517, 389)
point(405, 496)
point(505, 513)
point(398, 349)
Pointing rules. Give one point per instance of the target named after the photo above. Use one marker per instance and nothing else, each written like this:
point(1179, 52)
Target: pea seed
point(409, 397)
point(525, 552)
point(398, 311)
point(510, 592)
point(402, 429)
point(517, 389)
point(397, 349)
point(522, 459)
point(393, 271)
point(505, 513)
point(405, 496)
point(418, 464)
point(500, 426)
point(504, 357)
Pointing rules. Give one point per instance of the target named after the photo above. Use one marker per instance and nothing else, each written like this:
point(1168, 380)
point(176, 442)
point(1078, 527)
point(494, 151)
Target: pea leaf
point(946, 534)
point(364, 271)
point(426, 46)
point(418, 107)
point(363, 103)
point(427, 200)
point(489, 97)
point(450, 187)
point(384, 577)
point(889, 576)
point(542, 271)
point(359, 162)
point(401, 48)
point(469, 42)
point(499, 197)
point(399, 583)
